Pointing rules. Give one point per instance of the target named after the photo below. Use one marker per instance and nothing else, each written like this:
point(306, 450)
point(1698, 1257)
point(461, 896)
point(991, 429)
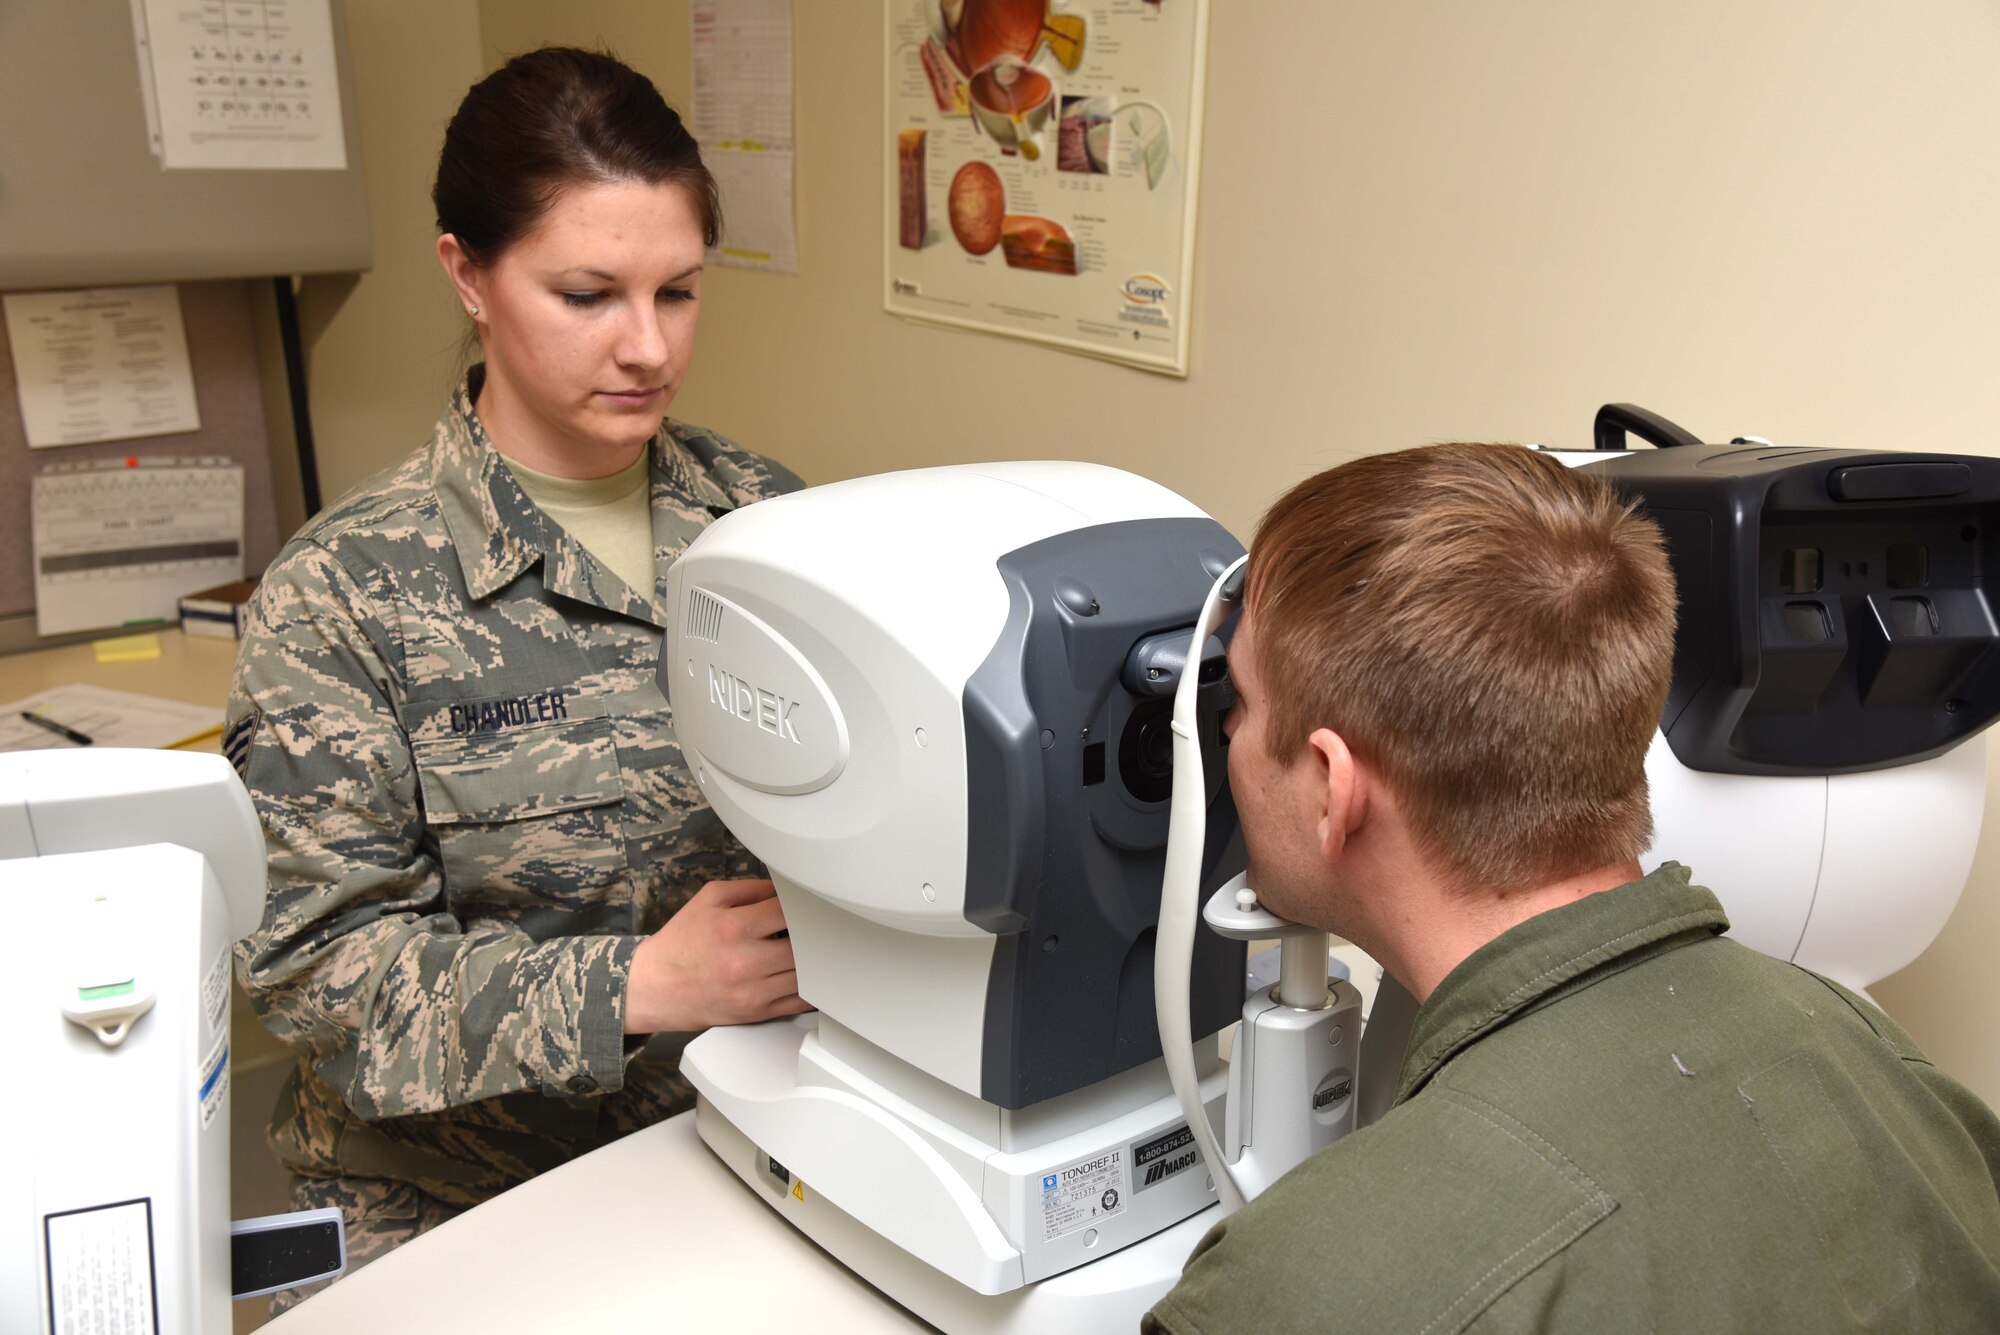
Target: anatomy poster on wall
point(1042, 163)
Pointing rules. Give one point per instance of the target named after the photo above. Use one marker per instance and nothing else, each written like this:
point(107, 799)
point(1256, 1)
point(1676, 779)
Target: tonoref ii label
point(1084, 1193)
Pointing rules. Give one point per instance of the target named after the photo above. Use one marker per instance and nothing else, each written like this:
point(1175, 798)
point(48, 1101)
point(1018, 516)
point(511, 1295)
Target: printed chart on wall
point(119, 543)
point(1043, 157)
point(742, 114)
point(241, 83)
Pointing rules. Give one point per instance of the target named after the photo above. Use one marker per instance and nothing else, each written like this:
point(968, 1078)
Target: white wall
point(1421, 221)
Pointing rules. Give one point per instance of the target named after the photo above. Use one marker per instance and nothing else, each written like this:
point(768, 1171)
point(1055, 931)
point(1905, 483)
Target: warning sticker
point(215, 988)
point(213, 1088)
point(1084, 1193)
point(100, 1268)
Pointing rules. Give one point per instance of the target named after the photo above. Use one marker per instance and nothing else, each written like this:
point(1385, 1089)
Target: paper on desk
point(107, 717)
point(120, 542)
point(742, 114)
point(102, 364)
point(241, 84)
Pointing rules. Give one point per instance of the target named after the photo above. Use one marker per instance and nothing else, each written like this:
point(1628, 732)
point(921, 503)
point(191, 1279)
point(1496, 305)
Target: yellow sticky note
point(127, 648)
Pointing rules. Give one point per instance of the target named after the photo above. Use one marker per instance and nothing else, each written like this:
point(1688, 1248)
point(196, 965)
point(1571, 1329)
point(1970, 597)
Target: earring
point(472, 310)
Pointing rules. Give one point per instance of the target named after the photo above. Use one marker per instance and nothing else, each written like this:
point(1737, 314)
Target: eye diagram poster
point(1042, 163)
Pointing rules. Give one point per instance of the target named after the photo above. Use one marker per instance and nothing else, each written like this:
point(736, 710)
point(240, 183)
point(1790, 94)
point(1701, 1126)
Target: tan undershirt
point(611, 516)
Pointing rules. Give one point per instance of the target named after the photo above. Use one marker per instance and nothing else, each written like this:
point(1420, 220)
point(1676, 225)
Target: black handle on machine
point(1616, 420)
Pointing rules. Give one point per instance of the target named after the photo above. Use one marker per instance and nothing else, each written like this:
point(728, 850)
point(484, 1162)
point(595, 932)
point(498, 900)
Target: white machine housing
point(818, 656)
point(1824, 870)
point(126, 874)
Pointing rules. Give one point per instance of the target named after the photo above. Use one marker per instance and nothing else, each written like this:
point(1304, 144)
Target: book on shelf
point(218, 611)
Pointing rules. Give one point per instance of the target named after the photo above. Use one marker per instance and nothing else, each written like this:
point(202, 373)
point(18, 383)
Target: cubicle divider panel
point(84, 199)
point(222, 353)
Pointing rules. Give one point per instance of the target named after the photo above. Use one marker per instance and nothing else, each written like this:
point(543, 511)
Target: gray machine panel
point(1069, 773)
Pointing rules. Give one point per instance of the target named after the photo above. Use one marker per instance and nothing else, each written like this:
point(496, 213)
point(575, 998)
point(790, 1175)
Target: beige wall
point(383, 351)
point(1422, 221)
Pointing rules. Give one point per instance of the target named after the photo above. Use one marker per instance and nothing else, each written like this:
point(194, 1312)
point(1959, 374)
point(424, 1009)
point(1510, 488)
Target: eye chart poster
point(1042, 161)
point(241, 83)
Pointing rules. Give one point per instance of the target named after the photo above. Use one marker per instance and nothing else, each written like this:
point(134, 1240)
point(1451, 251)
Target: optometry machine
point(970, 719)
point(126, 875)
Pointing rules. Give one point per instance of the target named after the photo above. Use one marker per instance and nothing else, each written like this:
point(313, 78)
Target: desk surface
point(193, 669)
point(651, 1232)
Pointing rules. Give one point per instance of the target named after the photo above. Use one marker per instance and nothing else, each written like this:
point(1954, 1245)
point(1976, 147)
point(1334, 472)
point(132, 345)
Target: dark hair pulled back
point(552, 119)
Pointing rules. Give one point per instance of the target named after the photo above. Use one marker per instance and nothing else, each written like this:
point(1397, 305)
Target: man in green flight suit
point(1609, 1117)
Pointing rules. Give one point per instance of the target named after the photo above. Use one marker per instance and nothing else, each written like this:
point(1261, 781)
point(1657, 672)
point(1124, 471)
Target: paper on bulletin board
point(742, 115)
point(101, 364)
point(119, 542)
point(241, 83)
point(1042, 162)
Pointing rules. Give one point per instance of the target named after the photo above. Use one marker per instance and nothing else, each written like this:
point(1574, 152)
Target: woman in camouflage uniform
point(491, 876)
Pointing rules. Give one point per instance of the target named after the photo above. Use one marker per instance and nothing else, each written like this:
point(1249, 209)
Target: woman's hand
point(719, 960)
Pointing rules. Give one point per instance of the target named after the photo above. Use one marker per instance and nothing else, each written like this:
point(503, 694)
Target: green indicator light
point(108, 990)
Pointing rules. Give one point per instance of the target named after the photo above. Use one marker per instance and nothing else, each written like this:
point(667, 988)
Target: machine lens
point(1146, 751)
point(1156, 748)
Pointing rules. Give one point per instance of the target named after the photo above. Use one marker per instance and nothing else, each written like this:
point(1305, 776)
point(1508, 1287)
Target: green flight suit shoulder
point(1416, 1225)
point(1615, 1120)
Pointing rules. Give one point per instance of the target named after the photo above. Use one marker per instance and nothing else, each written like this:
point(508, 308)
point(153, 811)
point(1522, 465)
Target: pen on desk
point(50, 725)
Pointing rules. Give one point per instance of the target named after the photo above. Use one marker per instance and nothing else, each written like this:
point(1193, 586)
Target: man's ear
point(1337, 789)
point(467, 278)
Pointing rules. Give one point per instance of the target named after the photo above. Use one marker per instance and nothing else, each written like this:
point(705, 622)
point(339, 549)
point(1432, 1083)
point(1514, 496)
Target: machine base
point(1109, 1294)
point(992, 1198)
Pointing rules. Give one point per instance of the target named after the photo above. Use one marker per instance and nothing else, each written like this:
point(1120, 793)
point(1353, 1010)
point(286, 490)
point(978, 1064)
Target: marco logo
point(767, 710)
point(1166, 1168)
point(1165, 1157)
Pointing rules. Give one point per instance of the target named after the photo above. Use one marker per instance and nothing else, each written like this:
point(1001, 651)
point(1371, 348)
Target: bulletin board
point(223, 355)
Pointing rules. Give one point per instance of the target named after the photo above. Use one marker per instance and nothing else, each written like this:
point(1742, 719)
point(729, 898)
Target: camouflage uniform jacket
point(445, 710)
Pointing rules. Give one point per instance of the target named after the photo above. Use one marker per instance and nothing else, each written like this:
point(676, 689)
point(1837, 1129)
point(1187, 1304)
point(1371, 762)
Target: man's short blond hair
point(1492, 631)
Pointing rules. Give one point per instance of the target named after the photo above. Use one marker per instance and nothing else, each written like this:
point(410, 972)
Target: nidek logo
point(1144, 289)
point(767, 710)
